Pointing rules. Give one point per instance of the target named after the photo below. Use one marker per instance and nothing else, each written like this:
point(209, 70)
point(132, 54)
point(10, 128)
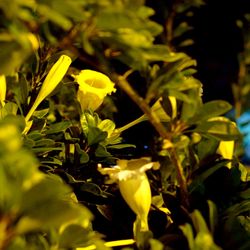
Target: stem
point(131, 124)
point(115, 243)
point(155, 121)
point(153, 118)
point(180, 176)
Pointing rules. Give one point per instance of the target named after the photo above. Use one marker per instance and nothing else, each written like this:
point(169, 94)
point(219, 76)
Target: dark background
point(217, 43)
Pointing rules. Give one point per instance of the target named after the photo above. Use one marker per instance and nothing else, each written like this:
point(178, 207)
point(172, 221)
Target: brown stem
point(155, 121)
point(169, 28)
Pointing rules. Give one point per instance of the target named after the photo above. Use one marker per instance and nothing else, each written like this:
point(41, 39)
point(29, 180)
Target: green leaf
point(95, 135)
point(58, 127)
point(213, 215)
point(75, 236)
point(199, 180)
point(107, 126)
point(219, 128)
point(101, 151)
point(54, 16)
point(155, 244)
point(199, 222)
point(89, 119)
point(209, 110)
point(121, 146)
point(51, 208)
point(207, 147)
point(190, 108)
point(188, 232)
point(161, 53)
point(10, 108)
point(44, 143)
point(12, 55)
point(84, 157)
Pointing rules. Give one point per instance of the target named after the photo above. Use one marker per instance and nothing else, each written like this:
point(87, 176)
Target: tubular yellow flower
point(53, 78)
point(134, 185)
point(93, 87)
point(3, 89)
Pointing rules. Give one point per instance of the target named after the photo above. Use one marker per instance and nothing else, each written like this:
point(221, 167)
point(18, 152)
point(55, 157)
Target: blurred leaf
point(190, 108)
point(188, 232)
point(238, 209)
point(35, 207)
point(199, 180)
point(155, 244)
point(221, 129)
point(199, 222)
point(58, 127)
point(210, 110)
point(207, 147)
point(10, 108)
point(120, 146)
point(75, 236)
point(213, 216)
point(203, 238)
point(54, 16)
point(12, 55)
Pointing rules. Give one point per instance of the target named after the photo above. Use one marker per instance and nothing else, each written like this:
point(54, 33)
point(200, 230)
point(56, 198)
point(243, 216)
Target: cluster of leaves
point(38, 211)
point(197, 197)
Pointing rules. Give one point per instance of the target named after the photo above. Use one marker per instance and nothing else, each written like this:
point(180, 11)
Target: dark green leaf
point(210, 110)
point(95, 135)
point(101, 151)
point(58, 127)
point(84, 157)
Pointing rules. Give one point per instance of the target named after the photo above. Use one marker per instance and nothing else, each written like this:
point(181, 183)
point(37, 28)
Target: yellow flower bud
point(2, 89)
point(53, 78)
point(93, 87)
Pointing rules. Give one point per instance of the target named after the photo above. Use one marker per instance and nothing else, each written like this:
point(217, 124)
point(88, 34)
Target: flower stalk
point(156, 122)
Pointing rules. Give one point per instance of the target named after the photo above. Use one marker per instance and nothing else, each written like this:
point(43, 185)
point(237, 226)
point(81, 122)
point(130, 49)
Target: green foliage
point(52, 195)
point(32, 202)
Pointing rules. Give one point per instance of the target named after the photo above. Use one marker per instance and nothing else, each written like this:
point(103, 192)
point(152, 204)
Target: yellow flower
point(53, 78)
point(134, 185)
point(93, 87)
point(2, 90)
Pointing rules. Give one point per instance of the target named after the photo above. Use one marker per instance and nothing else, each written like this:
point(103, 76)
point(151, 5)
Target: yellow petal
point(93, 87)
point(137, 194)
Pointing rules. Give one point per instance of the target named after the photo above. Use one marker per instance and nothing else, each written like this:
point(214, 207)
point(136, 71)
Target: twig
point(155, 121)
